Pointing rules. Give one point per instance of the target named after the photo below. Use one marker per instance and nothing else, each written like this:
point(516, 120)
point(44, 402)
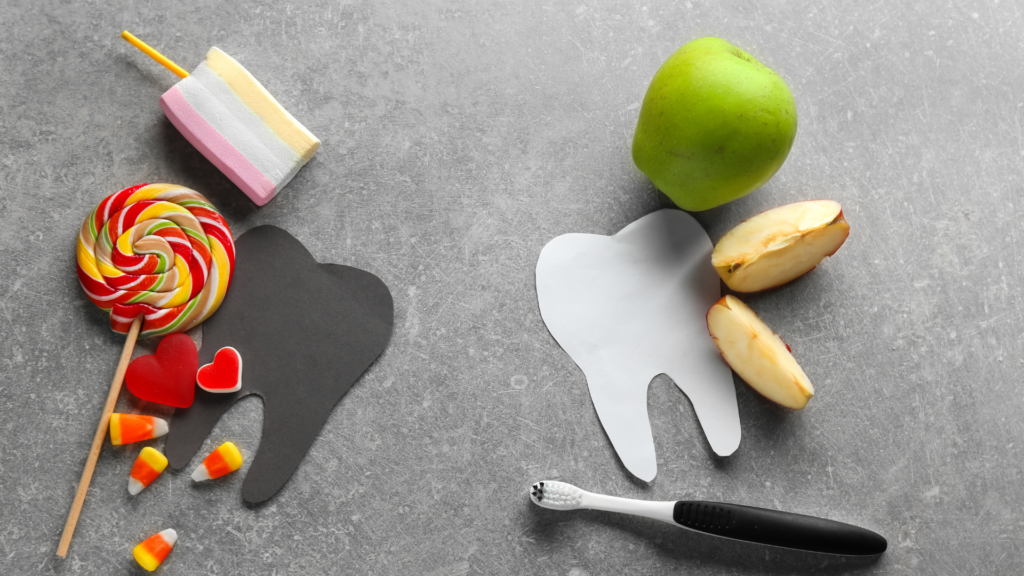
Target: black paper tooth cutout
point(306, 332)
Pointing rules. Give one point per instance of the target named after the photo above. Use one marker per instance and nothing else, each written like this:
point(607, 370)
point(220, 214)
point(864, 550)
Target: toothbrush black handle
point(775, 528)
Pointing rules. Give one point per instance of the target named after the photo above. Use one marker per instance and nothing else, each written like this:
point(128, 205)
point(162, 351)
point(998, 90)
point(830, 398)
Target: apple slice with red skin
point(757, 354)
point(779, 245)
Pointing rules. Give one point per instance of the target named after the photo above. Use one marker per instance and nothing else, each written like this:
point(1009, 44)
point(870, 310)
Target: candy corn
point(224, 460)
point(154, 549)
point(148, 466)
point(128, 428)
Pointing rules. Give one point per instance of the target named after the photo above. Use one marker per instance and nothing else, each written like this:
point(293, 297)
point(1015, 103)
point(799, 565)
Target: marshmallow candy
point(128, 428)
point(148, 466)
point(224, 460)
point(232, 119)
point(151, 553)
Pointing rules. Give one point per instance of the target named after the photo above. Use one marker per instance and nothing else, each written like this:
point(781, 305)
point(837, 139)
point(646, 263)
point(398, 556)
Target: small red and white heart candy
point(224, 374)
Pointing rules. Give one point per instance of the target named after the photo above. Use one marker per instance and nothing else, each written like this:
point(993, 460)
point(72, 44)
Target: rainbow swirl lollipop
point(159, 258)
point(157, 250)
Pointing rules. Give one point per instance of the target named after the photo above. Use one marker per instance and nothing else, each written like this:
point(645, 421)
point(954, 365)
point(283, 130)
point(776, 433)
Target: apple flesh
point(757, 354)
point(779, 245)
point(715, 124)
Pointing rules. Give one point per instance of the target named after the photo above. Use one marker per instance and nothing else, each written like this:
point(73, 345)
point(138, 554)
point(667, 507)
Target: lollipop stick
point(97, 439)
point(154, 54)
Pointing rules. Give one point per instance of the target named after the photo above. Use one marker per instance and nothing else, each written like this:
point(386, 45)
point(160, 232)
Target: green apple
point(715, 125)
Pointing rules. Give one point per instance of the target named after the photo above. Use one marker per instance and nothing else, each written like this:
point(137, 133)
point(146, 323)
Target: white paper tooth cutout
point(631, 306)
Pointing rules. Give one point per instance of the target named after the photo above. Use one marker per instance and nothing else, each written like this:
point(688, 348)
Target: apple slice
point(779, 245)
point(757, 354)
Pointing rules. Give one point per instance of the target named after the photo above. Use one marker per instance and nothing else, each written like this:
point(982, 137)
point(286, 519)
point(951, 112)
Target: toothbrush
point(759, 525)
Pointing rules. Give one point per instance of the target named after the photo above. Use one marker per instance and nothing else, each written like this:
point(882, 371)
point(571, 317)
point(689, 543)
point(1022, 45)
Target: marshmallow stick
point(97, 439)
point(163, 60)
point(236, 123)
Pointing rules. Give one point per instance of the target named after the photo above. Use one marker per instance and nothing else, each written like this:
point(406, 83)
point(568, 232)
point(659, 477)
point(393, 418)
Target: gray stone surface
point(458, 138)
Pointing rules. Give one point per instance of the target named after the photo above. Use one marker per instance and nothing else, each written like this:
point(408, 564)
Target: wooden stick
point(163, 60)
point(97, 440)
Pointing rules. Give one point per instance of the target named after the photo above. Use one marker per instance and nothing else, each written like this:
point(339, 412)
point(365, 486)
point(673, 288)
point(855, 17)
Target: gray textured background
point(458, 138)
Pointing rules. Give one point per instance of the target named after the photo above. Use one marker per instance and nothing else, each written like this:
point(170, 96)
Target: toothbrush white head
point(556, 495)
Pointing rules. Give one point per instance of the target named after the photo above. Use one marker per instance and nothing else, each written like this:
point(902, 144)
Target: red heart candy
point(224, 374)
point(167, 376)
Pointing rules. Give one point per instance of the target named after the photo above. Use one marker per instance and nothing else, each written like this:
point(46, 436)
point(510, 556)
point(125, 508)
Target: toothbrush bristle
point(556, 495)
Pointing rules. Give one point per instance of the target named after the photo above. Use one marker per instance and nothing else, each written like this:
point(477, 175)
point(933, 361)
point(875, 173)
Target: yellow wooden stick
point(154, 54)
point(97, 439)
